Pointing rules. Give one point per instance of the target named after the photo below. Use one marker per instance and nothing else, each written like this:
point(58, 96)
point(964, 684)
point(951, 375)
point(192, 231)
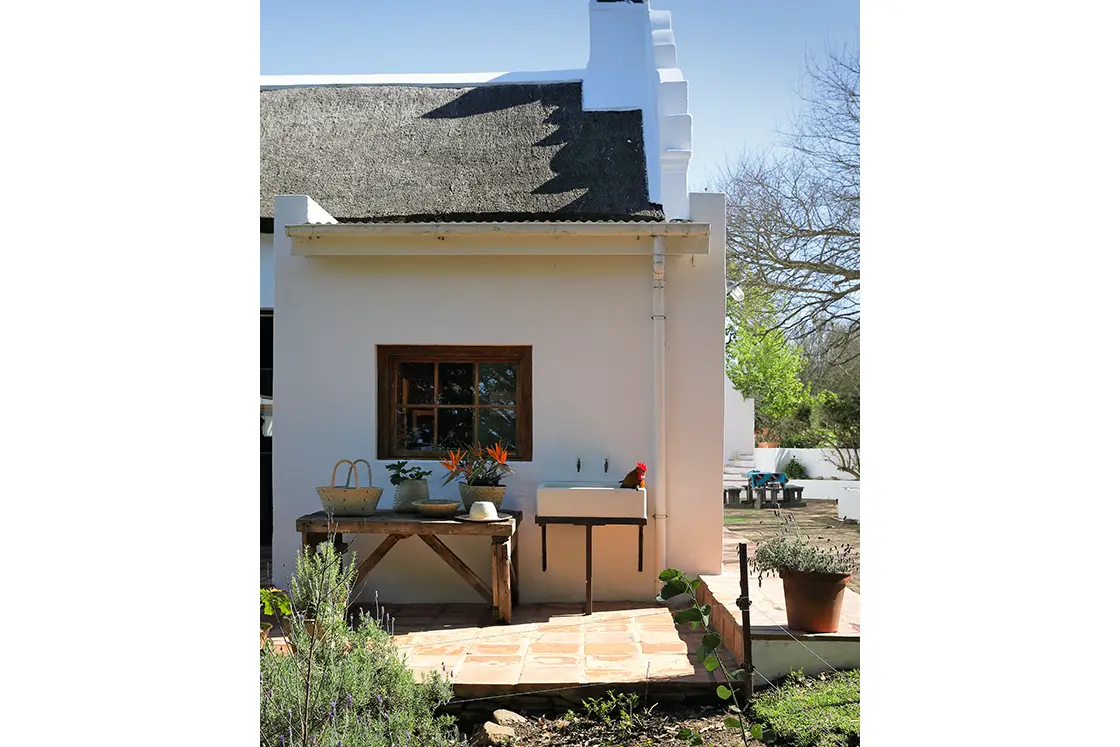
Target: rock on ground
point(509, 718)
point(492, 735)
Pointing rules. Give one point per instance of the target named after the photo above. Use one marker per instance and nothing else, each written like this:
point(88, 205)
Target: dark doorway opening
point(266, 440)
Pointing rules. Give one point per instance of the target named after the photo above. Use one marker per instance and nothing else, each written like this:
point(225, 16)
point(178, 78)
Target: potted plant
point(410, 483)
point(813, 577)
point(482, 472)
point(274, 603)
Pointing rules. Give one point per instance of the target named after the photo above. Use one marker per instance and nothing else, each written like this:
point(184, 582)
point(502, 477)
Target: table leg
point(587, 603)
point(544, 547)
point(516, 591)
point(503, 607)
point(641, 546)
point(312, 539)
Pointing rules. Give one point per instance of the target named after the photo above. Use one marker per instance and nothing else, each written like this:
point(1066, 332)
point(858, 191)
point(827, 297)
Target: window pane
point(456, 384)
point(498, 424)
point(497, 383)
point(416, 384)
point(456, 427)
point(415, 427)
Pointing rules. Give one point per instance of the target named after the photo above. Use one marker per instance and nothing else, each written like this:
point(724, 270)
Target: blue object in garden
point(758, 479)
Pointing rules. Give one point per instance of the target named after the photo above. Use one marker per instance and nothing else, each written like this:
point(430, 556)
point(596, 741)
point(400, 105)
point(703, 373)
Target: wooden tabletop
point(394, 522)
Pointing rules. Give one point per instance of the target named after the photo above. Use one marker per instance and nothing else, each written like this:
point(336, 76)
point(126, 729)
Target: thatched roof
point(407, 153)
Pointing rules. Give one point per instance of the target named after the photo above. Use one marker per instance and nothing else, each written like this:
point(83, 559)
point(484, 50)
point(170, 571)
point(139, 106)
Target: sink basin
point(599, 500)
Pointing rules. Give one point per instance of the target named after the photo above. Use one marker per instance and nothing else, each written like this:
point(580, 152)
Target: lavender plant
point(792, 549)
point(343, 685)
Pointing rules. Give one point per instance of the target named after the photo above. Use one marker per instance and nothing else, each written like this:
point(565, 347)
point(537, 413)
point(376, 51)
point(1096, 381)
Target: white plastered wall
point(588, 322)
point(738, 422)
point(694, 310)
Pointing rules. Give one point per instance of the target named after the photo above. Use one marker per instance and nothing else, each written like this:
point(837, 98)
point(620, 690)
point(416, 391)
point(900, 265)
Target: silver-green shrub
point(792, 550)
point(347, 684)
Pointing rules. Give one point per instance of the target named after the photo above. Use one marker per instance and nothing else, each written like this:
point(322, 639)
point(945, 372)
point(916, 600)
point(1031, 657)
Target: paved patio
point(553, 646)
point(549, 646)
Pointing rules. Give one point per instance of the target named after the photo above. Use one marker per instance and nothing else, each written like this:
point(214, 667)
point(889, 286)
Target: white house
point(531, 235)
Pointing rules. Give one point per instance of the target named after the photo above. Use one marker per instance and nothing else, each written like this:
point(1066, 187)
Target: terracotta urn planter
point(472, 493)
point(767, 444)
point(265, 627)
point(814, 600)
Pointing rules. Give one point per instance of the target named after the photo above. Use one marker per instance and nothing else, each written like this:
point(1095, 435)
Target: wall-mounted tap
point(578, 465)
point(606, 465)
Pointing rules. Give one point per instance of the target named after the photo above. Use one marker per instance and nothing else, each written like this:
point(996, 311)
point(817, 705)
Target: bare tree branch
point(793, 218)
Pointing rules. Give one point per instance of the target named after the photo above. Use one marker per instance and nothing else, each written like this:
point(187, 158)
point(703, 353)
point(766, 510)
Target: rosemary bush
point(346, 686)
point(792, 550)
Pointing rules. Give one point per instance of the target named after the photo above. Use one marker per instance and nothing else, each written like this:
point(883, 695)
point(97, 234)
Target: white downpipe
point(660, 503)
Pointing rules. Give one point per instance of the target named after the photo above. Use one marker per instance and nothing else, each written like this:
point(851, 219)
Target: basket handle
point(352, 468)
point(369, 472)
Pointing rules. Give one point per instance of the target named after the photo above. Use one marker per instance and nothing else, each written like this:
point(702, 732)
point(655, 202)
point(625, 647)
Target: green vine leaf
point(724, 692)
point(732, 723)
point(711, 663)
point(756, 731)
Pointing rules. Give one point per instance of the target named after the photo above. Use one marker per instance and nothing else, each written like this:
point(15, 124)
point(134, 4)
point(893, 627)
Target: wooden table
point(502, 592)
point(589, 522)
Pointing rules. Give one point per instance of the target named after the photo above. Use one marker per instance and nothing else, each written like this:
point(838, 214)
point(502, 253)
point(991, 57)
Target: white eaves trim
point(433, 80)
point(528, 238)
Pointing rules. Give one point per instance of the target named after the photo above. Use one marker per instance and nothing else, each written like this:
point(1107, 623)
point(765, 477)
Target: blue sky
point(742, 58)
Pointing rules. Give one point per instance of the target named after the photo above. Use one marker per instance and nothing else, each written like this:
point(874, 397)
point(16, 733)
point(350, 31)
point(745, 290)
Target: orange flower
point(498, 453)
point(451, 463)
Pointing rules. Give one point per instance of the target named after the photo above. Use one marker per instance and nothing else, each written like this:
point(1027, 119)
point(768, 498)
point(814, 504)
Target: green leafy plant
point(612, 706)
point(763, 366)
point(804, 439)
point(399, 472)
point(478, 466)
point(794, 469)
point(839, 418)
point(674, 583)
point(790, 549)
point(275, 602)
point(347, 685)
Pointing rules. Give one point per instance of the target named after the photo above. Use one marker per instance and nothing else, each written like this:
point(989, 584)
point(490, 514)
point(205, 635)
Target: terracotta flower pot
point(265, 627)
point(472, 493)
point(814, 600)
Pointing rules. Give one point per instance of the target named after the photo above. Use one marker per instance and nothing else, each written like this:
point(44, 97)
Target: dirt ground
point(817, 519)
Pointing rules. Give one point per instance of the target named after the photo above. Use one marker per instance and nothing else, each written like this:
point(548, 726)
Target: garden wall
point(816, 466)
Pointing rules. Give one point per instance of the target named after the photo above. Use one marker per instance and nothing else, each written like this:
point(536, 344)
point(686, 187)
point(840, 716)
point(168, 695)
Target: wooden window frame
point(389, 356)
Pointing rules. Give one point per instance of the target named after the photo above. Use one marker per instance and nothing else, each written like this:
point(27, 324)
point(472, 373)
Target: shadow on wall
point(600, 153)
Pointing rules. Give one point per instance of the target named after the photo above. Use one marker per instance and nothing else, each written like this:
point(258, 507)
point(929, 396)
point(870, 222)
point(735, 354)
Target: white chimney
point(633, 65)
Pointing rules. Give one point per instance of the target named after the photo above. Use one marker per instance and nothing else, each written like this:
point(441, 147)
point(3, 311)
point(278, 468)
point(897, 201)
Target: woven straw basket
point(350, 501)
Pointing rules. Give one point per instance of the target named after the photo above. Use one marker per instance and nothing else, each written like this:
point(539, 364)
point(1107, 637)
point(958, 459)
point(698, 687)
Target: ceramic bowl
point(437, 507)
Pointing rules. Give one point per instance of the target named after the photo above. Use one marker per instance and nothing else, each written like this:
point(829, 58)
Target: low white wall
point(773, 659)
point(847, 507)
point(813, 460)
point(738, 422)
point(825, 490)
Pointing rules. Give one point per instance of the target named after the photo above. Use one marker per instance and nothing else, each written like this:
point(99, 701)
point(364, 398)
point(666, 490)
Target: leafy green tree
point(762, 365)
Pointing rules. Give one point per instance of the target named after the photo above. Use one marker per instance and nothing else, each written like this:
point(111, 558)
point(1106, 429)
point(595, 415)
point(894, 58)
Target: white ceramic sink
point(600, 500)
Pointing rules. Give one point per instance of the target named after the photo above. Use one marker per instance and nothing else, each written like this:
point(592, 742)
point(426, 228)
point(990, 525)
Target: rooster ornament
point(636, 478)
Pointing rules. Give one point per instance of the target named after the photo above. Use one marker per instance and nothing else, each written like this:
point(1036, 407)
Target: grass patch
point(812, 711)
